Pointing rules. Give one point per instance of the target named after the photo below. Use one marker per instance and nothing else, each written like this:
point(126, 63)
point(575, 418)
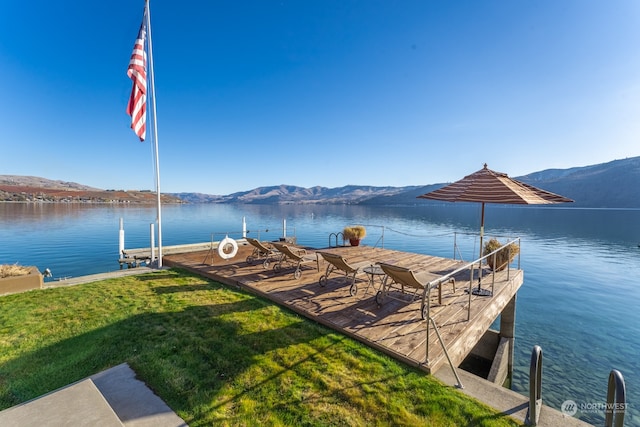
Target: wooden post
point(508, 330)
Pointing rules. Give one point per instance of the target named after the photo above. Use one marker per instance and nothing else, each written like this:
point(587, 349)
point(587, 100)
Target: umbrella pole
point(481, 229)
point(480, 256)
point(481, 291)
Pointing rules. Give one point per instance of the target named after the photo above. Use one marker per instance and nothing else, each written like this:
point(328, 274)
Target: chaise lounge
point(292, 257)
point(407, 281)
point(261, 252)
point(339, 264)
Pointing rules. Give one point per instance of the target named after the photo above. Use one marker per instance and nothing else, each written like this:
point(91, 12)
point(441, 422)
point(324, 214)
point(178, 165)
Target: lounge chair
point(338, 263)
point(407, 281)
point(292, 257)
point(262, 251)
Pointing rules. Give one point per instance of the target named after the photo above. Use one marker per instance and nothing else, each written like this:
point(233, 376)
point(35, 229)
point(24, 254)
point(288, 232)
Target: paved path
point(97, 277)
point(110, 398)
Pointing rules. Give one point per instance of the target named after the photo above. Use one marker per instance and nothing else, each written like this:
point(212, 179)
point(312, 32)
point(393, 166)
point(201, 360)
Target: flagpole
point(155, 134)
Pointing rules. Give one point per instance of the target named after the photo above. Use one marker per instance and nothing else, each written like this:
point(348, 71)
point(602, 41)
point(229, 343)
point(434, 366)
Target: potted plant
point(503, 257)
point(354, 234)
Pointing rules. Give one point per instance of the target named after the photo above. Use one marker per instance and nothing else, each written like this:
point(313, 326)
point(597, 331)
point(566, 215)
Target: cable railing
point(381, 238)
point(224, 242)
point(471, 266)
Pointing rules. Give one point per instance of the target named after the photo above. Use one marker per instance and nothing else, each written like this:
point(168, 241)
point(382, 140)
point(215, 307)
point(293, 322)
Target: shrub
point(13, 270)
point(502, 257)
point(354, 232)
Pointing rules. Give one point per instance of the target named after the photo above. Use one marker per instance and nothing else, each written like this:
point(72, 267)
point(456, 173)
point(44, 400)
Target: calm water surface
point(578, 302)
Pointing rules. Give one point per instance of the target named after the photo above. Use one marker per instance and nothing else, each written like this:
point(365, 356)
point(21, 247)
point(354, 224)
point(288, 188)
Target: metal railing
point(336, 236)
point(535, 387)
point(217, 236)
point(616, 394)
point(616, 400)
point(456, 248)
point(278, 232)
point(446, 353)
point(471, 266)
point(333, 237)
point(381, 238)
point(494, 255)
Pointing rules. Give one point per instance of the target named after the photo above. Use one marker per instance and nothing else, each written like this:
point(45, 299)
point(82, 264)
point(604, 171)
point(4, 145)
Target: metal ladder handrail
point(616, 400)
point(535, 387)
point(336, 235)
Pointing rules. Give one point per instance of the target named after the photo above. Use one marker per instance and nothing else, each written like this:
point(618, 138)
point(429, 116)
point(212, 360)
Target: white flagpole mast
point(155, 134)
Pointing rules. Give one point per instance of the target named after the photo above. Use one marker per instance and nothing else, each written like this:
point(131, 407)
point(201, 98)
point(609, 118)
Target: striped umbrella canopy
point(487, 186)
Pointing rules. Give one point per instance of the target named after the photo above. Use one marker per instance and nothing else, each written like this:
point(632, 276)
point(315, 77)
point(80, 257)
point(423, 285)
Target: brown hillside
point(21, 193)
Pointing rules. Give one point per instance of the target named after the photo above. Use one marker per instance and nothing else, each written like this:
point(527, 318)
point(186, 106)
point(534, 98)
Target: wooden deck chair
point(262, 251)
point(338, 263)
point(292, 257)
point(408, 281)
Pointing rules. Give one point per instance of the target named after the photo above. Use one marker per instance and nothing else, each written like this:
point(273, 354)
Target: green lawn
point(217, 356)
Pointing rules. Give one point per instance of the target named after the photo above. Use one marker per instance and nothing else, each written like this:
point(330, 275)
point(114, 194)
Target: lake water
point(581, 268)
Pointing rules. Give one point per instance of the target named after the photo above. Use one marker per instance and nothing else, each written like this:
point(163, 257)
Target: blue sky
point(329, 93)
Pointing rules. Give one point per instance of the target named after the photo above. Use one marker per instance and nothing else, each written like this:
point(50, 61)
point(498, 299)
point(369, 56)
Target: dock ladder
point(616, 394)
point(535, 387)
point(616, 400)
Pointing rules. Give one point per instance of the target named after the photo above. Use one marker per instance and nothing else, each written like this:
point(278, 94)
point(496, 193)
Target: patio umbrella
point(487, 186)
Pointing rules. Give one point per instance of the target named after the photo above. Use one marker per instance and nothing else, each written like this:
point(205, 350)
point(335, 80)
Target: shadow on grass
point(181, 288)
point(186, 357)
point(150, 277)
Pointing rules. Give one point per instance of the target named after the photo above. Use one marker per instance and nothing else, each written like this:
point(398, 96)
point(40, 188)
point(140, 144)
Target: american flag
point(137, 71)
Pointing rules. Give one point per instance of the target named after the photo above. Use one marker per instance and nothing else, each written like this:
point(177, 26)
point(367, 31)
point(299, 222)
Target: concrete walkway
point(111, 398)
point(97, 277)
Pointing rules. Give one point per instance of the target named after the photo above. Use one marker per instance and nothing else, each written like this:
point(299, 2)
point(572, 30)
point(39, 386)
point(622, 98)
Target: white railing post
point(121, 239)
point(152, 234)
point(244, 227)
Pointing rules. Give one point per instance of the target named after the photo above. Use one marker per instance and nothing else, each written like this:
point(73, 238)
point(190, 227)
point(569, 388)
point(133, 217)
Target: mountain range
point(613, 184)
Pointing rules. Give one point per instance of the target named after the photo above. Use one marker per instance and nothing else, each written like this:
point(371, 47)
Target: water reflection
point(577, 302)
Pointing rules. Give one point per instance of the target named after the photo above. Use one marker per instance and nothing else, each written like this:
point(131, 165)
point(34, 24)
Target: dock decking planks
point(396, 327)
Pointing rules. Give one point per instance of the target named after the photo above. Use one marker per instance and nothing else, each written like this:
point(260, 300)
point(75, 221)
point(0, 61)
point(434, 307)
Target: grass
point(216, 356)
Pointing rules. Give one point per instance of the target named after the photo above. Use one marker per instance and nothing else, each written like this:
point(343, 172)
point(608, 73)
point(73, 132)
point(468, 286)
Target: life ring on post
point(223, 248)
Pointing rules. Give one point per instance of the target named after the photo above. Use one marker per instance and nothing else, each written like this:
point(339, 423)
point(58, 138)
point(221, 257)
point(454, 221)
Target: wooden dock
point(396, 327)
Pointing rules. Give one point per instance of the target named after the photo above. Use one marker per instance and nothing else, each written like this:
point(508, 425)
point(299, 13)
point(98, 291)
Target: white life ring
point(224, 244)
